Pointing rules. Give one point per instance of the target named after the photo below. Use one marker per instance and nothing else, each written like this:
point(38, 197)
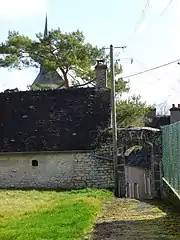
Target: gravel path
point(129, 219)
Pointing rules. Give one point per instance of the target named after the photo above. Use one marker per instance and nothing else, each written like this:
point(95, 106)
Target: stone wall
point(55, 170)
point(58, 120)
point(158, 122)
point(129, 137)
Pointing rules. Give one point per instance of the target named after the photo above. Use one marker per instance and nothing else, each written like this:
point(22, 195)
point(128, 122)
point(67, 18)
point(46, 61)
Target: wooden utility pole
point(114, 123)
point(117, 188)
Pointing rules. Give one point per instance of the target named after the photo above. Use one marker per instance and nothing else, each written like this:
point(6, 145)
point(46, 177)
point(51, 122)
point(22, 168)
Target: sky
point(151, 34)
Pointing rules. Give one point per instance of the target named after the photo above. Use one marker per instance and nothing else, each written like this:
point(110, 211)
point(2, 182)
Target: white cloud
point(18, 9)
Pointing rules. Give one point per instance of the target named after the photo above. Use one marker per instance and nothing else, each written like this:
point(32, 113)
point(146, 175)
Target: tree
point(67, 52)
point(132, 112)
point(75, 59)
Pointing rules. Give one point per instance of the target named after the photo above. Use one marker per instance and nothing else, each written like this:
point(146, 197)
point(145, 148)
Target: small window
point(34, 163)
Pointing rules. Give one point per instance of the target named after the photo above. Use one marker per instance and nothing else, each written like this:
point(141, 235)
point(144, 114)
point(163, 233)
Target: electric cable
point(166, 8)
point(155, 21)
point(152, 69)
point(142, 17)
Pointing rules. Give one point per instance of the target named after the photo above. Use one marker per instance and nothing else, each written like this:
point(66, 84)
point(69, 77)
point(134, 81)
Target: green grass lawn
point(41, 215)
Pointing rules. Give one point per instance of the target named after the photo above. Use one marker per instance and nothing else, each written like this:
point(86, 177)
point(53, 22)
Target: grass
point(41, 215)
point(131, 219)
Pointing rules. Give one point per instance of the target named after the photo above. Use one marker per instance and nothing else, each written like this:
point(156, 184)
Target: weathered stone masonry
point(59, 121)
point(128, 137)
point(55, 170)
point(51, 122)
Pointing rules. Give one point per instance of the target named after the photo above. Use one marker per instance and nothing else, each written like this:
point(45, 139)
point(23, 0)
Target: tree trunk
point(66, 81)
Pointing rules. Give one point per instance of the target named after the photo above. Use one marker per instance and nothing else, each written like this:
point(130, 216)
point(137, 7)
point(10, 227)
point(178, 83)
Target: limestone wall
point(55, 170)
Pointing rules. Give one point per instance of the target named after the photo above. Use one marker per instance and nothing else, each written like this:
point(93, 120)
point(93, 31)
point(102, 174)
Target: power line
point(155, 21)
point(151, 69)
point(166, 8)
point(142, 17)
point(152, 75)
point(144, 67)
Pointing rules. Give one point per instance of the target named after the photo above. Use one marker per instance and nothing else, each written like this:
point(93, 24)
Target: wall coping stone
point(46, 152)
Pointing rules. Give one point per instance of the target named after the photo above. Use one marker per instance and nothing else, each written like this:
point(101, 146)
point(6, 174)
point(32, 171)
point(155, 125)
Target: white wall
point(55, 170)
point(140, 178)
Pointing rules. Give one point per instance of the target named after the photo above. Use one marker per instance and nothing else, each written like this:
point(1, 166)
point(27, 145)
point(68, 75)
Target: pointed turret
point(45, 78)
point(46, 27)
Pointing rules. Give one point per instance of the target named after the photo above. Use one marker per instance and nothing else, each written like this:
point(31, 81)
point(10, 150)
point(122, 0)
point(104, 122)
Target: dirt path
point(134, 220)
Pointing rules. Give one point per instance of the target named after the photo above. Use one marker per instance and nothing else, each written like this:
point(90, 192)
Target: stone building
point(159, 121)
point(54, 139)
point(47, 137)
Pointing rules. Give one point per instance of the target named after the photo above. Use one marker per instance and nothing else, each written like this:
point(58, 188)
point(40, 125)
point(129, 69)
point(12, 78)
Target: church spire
point(46, 27)
point(48, 78)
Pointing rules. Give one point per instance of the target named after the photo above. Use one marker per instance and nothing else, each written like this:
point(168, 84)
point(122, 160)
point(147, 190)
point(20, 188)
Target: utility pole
point(117, 193)
point(114, 123)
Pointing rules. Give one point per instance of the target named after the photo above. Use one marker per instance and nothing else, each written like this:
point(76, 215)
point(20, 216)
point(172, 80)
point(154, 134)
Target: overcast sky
point(152, 37)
